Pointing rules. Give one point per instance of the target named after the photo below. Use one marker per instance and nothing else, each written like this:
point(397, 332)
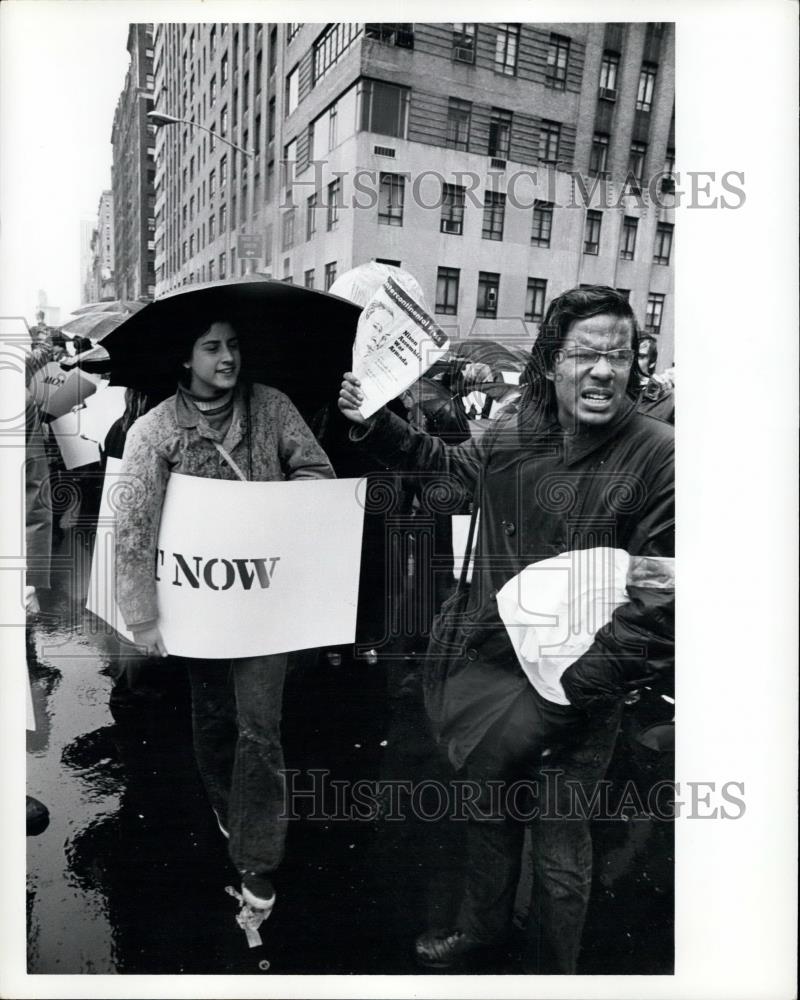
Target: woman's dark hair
point(569, 307)
point(195, 326)
point(137, 403)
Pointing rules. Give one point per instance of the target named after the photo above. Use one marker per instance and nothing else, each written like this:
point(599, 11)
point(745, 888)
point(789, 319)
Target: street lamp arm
point(157, 118)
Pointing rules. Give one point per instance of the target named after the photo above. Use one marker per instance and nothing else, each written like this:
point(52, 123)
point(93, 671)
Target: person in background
point(219, 426)
point(657, 396)
point(545, 480)
point(38, 549)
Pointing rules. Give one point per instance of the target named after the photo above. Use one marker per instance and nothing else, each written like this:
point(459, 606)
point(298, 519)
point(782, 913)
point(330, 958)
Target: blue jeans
point(236, 719)
point(581, 749)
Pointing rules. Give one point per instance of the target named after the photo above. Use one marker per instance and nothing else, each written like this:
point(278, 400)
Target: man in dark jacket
point(569, 608)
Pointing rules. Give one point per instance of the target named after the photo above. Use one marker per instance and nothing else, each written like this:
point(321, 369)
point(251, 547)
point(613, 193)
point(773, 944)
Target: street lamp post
point(158, 119)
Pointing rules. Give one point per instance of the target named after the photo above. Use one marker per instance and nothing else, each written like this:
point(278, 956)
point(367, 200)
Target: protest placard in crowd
point(75, 450)
point(56, 392)
point(250, 568)
point(100, 412)
point(101, 598)
point(397, 340)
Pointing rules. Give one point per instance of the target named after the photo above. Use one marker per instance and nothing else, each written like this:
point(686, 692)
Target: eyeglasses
point(583, 358)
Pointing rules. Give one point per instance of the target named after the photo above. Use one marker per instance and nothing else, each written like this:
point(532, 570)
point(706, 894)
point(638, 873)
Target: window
point(488, 289)
point(212, 139)
point(599, 155)
point(233, 212)
point(331, 45)
point(534, 299)
point(494, 210)
point(223, 218)
point(459, 114)
point(542, 223)
point(211, 270)
point(272, 55)
point(647, 82)
point(500, 134)
point(669, 162)
point(384, 108)
point(608, 76)
point(389, 263)
point(655, 307)
point(270, 180)
point(505, 52)
point(630, 225)
point(464, 43)
point(391, 196)
point(288, 230)
point(308, 278)
point(223, 170)
point(663, 246)
point(212, 90)
point(557, 61)
point(212, 184)
point(291, 30)
point(212, 228)
point(591, 239)
point(291, 91)
point(447, 290)
point(191, 245)
point(311, 215)
point(401, 35)
point(223, 70)
point(452, 220)
point(223, 121)
point(330, 274)
point(334, 197)
point(549, 137)
point(636, 162)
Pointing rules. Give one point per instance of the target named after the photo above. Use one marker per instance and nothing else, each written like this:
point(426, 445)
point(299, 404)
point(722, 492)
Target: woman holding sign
point(219, 426)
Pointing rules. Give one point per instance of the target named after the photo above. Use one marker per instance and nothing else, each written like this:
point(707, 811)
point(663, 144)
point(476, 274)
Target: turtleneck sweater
point(217, 412)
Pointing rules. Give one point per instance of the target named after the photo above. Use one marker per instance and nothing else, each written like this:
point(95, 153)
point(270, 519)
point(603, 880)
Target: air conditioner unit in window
point(607, 94)
point(383, 151)
point(498, 164)
point(463, 55)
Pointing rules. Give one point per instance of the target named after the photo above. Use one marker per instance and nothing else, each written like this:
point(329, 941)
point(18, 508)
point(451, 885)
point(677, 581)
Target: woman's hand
point(150, 639)
point(350, 398)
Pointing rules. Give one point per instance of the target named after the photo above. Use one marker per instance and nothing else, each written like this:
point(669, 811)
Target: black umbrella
point(293, 338)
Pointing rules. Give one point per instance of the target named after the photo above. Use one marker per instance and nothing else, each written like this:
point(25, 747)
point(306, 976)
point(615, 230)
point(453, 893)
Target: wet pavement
point(130, 875)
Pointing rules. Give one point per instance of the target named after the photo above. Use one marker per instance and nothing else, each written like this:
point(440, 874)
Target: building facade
point(133, 172)
point(499, 163)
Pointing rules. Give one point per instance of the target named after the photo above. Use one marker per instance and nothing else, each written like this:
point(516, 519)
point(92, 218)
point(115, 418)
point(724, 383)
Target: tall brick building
point(500, 163)
point(133, 172)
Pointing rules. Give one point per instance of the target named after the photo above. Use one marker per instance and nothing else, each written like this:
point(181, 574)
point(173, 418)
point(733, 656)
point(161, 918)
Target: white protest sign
point(75, 450)
point(101, 598)
point(248, 569)
point(396, 343)
point(100, 412)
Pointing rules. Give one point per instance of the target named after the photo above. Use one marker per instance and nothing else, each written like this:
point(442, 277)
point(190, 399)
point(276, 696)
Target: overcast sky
point(62, 67)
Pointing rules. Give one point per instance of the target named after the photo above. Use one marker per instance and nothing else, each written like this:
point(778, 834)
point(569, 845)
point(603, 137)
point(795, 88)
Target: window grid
point(452, 218)
point(459, 115)
point(630, 226)
point(557, 62)
point(663, 247)
point(488, 294)
point(535, 299)
point(500, 134)
point(542, 223)
point(494, 210)
point(506, 46)
point(391, 198)
point(655, 308)
point(330, 274)
point(447, 281)
point(591, 240)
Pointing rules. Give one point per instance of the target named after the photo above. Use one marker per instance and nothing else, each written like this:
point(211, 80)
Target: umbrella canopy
point(118, 305)
point(94, 325)
point(498, 356)
point(293, 338)
point(95, 360)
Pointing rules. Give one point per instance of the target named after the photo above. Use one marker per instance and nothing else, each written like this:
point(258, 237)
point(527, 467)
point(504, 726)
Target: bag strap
point(230, 461)
point(473, 520)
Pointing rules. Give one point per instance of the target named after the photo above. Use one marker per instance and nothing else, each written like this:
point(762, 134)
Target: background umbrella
point(118, 305)
point(293, 338)
point(94, 325)
point(95, 361)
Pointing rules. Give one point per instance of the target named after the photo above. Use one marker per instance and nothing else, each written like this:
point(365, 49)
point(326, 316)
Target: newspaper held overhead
point(397, 340)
